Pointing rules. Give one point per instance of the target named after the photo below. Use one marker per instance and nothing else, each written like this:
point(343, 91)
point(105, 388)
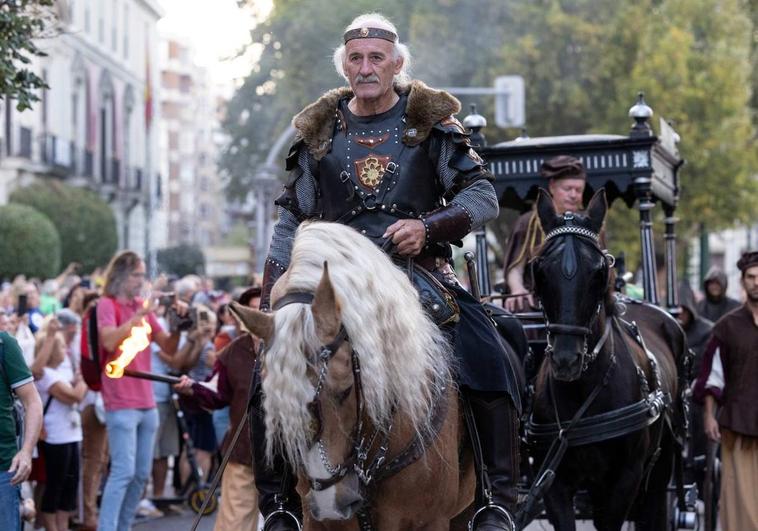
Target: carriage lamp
point(641, 112)
point(475, 122)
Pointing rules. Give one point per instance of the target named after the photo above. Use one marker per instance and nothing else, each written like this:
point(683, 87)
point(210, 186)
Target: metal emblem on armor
point(372, 141)
point(371, 169)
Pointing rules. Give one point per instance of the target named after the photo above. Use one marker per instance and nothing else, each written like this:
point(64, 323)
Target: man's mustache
point(371, 78)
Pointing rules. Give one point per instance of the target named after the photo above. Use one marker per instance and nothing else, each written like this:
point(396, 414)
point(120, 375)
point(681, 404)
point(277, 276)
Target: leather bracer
point(272, 270)
point(447, 224)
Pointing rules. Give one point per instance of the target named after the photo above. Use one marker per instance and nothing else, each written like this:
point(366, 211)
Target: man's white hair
point(376, 20)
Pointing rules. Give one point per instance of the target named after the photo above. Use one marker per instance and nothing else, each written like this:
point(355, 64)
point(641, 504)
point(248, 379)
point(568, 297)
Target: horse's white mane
point(404, 356)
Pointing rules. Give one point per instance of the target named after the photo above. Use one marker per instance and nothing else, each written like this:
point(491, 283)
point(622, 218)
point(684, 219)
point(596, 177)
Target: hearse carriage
point(639, 169)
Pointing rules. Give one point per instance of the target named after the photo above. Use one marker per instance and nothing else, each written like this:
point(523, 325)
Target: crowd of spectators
point(76, 450)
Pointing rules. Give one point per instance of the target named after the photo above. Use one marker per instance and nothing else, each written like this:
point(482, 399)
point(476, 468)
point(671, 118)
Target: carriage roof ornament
point(641, 112)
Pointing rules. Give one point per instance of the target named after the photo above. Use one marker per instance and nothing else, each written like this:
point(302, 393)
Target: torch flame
point(137, 341)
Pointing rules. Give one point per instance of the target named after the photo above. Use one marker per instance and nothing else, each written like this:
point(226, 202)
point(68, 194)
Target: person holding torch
point(126, 327)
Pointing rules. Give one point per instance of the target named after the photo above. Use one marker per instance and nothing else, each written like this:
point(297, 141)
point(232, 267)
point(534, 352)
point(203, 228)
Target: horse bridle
point(569, 229)
point(355, 460)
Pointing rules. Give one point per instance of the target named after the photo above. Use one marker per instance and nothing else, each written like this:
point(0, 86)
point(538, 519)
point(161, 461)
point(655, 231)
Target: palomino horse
point(358, 391)
point(604, 390)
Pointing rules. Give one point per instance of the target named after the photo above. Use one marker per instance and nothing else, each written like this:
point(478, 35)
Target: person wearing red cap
point(566, 182)
point(728, 378)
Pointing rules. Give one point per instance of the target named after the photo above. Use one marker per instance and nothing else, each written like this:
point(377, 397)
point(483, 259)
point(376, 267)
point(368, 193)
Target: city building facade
point(95, 126)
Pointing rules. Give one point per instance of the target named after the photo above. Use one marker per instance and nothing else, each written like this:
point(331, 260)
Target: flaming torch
point(137, 341)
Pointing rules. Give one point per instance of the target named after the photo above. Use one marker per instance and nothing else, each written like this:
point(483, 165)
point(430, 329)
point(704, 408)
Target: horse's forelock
point(403, 354)
point(286, 388)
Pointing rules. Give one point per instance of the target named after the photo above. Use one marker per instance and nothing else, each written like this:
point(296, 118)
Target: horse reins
point(560, 444)
point(361, 445)
point(325, 355)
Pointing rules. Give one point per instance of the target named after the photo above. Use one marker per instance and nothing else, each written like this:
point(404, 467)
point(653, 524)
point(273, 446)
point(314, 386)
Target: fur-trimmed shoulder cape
point(426, 107)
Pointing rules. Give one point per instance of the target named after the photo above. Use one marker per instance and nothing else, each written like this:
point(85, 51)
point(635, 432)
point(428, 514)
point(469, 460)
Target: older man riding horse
point(387, 157)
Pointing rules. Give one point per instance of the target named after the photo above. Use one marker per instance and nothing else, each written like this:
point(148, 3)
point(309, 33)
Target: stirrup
point(494, 507)
point(282, 511)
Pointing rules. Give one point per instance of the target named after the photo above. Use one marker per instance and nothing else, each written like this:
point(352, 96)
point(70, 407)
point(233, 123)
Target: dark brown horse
point(604, 390)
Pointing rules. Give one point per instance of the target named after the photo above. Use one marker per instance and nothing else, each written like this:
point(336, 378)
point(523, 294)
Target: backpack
point(93, 356)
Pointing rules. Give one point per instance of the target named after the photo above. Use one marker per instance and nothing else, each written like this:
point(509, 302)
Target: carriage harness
point(369, 471)
point(584, 430)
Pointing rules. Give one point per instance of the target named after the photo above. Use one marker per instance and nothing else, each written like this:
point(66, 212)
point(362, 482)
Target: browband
point(369, 33)
point(300, 297)
point(572, 229)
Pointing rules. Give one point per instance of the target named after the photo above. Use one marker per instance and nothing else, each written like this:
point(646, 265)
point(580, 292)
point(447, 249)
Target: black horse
point(602, 406)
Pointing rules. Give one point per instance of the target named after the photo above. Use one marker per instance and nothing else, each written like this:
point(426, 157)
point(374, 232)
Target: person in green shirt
point(15, 463)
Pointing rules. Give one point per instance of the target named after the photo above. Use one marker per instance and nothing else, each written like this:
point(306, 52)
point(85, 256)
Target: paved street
point(183, 522)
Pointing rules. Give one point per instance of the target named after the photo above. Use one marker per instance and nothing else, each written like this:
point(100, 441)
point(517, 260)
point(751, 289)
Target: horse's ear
point(596, 210)
point(546, 211)
point(254, 321)
point(326, 309)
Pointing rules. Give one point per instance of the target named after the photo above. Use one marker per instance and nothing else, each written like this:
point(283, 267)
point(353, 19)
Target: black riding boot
point(496, 422)
point(278, 500)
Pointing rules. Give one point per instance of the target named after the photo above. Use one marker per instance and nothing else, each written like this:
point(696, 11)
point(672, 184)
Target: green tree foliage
point(583, 62)
point(180, 260)
point(85, 222)
point(29, 243)
point(20, 22)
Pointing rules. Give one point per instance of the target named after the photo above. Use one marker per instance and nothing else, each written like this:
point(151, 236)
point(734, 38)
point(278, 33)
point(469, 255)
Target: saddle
point(437, 301)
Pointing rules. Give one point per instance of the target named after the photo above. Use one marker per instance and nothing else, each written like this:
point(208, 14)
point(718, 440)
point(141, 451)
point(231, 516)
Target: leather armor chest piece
point(370, 179)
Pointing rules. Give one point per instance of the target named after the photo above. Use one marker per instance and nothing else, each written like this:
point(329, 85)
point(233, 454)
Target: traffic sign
point(510, 104)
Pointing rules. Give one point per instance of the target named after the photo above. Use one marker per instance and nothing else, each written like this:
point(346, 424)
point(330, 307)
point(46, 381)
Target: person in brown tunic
point(728, 377)
point(566, 182)
point(234, 372)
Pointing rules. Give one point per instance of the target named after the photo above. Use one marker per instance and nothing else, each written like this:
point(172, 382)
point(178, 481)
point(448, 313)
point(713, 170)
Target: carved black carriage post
point(640, 169)
point(474, 123)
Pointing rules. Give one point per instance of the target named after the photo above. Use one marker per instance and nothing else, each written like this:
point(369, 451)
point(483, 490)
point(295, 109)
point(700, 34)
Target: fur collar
point(426, 107)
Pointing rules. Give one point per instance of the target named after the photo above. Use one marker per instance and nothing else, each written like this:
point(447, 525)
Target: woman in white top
point(61, 389)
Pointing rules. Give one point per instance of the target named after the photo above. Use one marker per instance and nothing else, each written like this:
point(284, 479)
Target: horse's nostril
point(352, 508)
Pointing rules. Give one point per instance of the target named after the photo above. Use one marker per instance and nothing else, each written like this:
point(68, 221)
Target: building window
point(100, 24)
point(114, 32)
point(126, 31)
point(86, 18)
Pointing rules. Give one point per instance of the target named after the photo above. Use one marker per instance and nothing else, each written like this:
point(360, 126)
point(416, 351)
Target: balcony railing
point(57, 154)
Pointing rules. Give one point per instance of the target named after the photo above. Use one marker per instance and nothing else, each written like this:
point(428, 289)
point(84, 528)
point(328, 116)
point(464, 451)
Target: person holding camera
point(198, 364)
point(194, 341)
point(61, 388)
point(131, 418)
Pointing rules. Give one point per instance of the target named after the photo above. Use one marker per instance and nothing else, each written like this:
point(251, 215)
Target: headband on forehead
point(369, 33)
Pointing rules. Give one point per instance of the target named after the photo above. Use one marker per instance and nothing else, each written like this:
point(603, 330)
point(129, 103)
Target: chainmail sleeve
point(479, 199)
point(284, 229)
